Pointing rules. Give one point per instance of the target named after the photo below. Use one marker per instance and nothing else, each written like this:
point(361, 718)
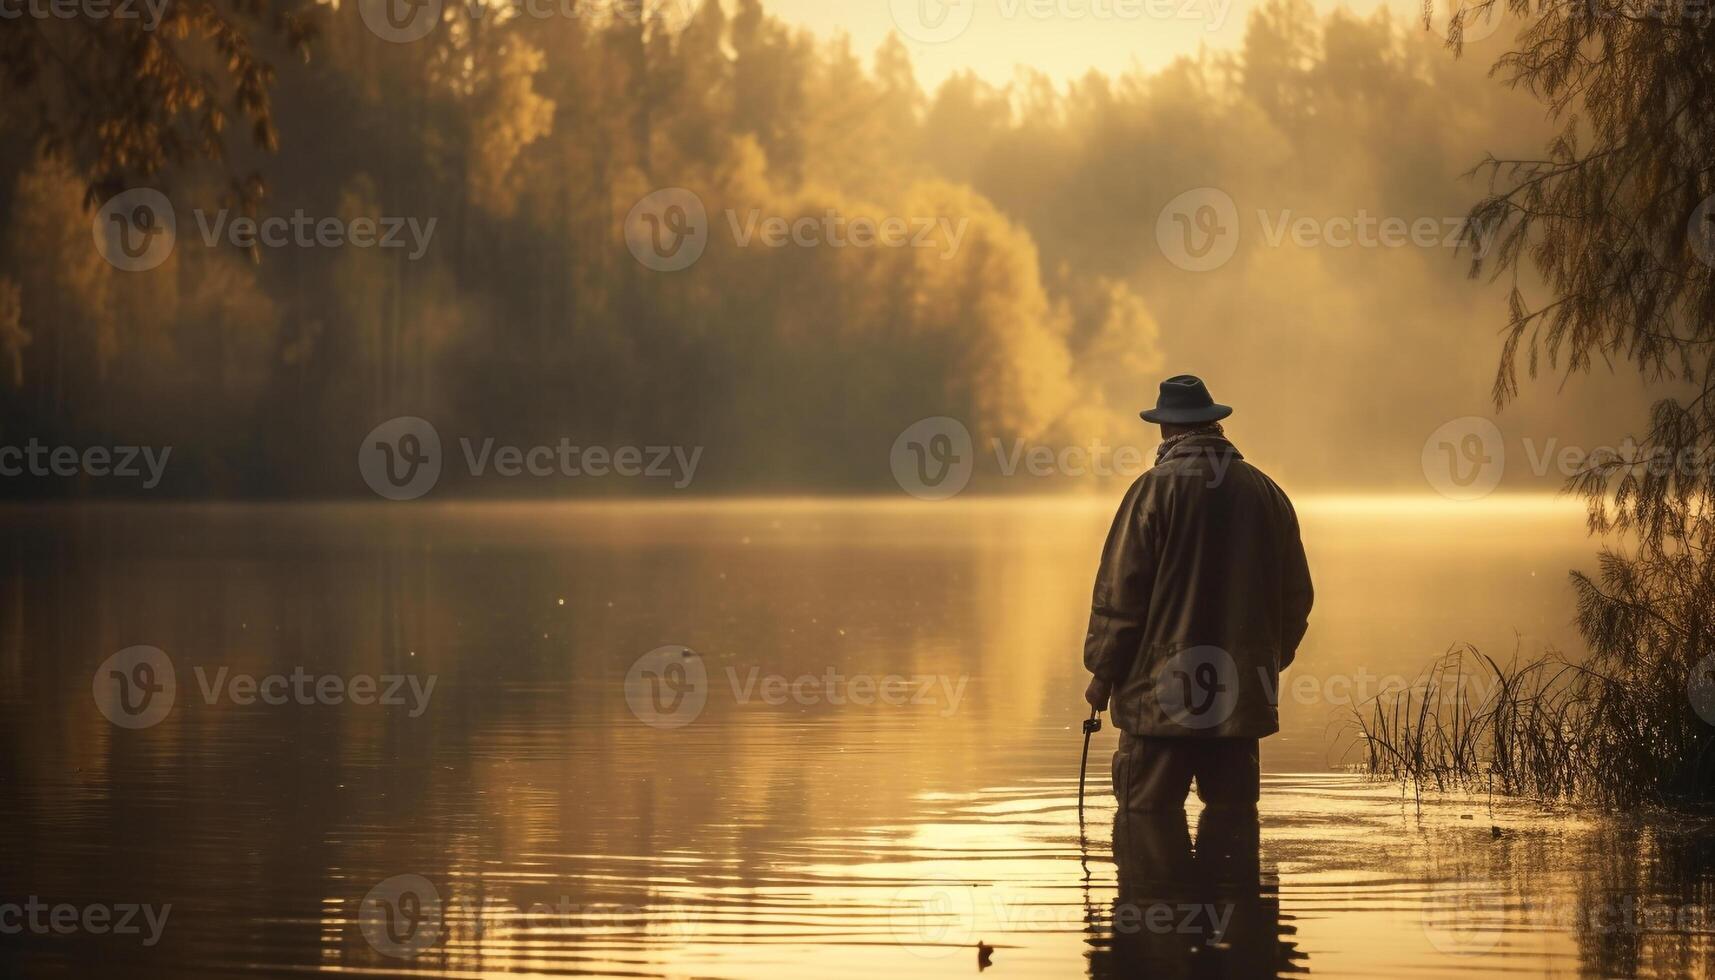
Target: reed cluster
point(1610, 731)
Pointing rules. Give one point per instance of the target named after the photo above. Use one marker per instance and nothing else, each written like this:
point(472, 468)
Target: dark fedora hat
point(1185, 400)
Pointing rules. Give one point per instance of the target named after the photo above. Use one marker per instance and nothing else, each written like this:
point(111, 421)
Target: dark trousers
point(1152, 774)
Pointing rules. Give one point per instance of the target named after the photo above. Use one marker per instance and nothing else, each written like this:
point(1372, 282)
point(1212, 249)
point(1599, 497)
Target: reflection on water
point(1184, 910)
point(522, 817)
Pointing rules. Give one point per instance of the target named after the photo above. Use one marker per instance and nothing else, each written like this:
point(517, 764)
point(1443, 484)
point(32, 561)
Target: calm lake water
point(748, 739)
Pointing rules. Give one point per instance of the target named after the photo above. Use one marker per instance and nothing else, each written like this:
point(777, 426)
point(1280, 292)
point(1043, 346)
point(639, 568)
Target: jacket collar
point(1197, 444)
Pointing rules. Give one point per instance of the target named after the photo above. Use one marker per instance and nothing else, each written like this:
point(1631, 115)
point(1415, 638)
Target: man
point(1201, 600)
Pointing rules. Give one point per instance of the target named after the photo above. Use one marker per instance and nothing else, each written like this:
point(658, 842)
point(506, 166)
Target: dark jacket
point(1202, 597)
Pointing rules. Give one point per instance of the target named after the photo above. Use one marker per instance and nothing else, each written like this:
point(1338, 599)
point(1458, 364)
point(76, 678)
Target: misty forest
point(519, 144)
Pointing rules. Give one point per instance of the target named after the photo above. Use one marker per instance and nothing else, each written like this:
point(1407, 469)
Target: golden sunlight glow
point(1063, 39)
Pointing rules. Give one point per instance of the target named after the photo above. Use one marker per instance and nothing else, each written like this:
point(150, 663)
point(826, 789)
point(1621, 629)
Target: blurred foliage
point(528, 139)
point(121, 95)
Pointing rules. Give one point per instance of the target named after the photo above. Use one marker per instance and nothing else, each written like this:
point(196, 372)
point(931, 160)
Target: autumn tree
point(123, 97)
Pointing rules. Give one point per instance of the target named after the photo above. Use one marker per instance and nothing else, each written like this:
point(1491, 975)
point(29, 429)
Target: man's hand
point(1097, 693)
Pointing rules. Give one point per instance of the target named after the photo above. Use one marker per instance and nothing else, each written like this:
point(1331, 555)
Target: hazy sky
point(1064, 38)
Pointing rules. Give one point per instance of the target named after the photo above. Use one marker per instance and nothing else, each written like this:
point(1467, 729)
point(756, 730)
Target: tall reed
point(1601, 732)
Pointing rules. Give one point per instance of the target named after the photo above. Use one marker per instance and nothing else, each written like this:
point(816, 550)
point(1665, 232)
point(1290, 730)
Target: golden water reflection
point(562, 834)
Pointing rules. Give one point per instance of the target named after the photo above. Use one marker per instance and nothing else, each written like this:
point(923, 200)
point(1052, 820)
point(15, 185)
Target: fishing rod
point(1091, 727)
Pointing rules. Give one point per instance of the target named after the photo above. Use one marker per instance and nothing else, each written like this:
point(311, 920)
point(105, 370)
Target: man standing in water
point(1201, 599)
